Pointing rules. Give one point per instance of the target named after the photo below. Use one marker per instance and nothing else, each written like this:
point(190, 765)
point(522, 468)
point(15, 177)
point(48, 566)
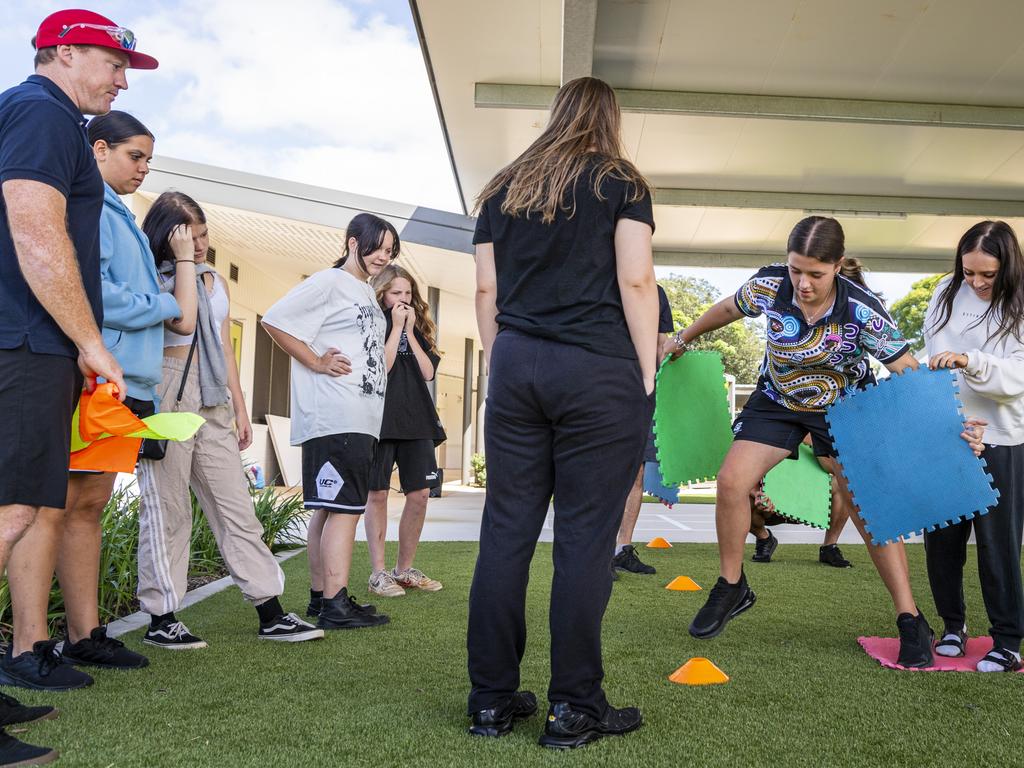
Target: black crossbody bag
point(152, 449)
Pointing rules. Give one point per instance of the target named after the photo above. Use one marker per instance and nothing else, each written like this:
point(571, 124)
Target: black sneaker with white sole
point(765, 548)
point(289, 628)
point(41, 669)
point(725, 601)
point(172, 635)
point(13, 712)
point(98, 650)
point(627, 560)
point(14, 752)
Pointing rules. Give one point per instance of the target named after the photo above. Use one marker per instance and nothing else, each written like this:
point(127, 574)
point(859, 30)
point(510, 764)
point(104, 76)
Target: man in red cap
point(51, 196)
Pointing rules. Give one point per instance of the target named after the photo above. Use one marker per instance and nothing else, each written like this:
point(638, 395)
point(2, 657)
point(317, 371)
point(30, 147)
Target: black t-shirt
point(665, 324)
point(43, 138)
point(558, 280)
point(409, 413)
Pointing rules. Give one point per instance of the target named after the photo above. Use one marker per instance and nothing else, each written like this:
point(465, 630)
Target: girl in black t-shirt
point(409, 432)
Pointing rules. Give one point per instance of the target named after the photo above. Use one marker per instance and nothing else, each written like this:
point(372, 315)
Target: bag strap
point(188, 364)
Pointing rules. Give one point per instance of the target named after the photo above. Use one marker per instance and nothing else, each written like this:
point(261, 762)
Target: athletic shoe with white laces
point(173, 635)
point(411, 578)
point(383, 583)
point(289, 628)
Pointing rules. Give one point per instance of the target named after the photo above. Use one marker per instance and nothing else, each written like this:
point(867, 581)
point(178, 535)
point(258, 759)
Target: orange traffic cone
point(699, 671)
point(658, 543)
point(683, 584)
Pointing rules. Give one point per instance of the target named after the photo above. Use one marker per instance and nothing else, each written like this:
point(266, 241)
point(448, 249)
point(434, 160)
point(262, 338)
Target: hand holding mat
point(801, 490)
point(907, 467)
point(692, 426)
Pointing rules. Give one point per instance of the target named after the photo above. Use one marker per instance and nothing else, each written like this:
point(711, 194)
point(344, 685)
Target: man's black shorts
point(417, 466)
point(336, 472)
point(764, 421)
point(38, 397)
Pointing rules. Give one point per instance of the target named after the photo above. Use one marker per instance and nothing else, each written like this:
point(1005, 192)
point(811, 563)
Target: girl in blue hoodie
point(135, 313)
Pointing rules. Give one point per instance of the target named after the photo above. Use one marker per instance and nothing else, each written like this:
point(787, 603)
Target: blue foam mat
point(906, 465)
point(655, 486)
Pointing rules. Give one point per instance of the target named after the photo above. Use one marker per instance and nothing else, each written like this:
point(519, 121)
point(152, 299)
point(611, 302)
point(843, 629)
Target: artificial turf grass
point(802, 691)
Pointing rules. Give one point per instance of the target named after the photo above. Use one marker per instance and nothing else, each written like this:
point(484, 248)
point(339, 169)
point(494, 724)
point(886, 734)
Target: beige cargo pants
point(211, 465)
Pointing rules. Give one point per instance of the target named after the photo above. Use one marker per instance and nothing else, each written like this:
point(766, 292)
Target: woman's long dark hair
point(369, 231)
point(169, 211)
point(115, 128)
point(997, 239)
point(822, 238)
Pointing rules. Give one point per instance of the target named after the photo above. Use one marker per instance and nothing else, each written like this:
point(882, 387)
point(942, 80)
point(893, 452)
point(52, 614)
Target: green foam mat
point(692, 426)
point(801, 490)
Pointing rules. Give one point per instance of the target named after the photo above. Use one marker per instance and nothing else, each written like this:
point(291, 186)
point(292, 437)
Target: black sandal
point(1004, 659)
point(955, 640)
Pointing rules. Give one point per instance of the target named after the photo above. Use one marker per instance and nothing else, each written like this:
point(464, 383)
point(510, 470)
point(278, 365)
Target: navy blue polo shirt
point(810, 367)
point(43, 138)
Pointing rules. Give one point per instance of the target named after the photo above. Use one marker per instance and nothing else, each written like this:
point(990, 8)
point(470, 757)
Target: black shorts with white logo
point(764, 421)
point(417, 466)
point(336, 472)
point(38, 396)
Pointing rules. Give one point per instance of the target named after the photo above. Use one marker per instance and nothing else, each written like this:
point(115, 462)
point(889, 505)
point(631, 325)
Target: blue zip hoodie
point(134, 309)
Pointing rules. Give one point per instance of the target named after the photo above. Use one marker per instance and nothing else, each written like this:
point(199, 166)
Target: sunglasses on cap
point(120, 35)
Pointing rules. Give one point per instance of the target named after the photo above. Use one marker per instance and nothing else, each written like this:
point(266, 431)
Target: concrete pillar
point(467, 411)
point(481, 400)
point(434, 302)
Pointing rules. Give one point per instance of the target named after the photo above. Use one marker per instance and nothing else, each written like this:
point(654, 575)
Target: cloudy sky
point(326, 92)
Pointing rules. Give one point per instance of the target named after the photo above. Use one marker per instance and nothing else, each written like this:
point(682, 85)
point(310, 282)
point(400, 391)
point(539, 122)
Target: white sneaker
point(383, 583)
point(411, 578)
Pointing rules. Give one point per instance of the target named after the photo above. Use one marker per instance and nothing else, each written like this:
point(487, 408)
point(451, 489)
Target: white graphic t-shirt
point(334, 309)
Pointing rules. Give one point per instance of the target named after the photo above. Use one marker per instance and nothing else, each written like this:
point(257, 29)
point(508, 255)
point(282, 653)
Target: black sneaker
point(765, 548)
point(627, 560)
point(725, 601)
point(289, 628)
point(41, 669)
point(830, 554)
point(568, 728)
point(13, 712)
point(98, 650)
point(14, 752)
point(316, 603)
point(172, 635)
point(498, 721)
point(343, 612)
point(915, 641)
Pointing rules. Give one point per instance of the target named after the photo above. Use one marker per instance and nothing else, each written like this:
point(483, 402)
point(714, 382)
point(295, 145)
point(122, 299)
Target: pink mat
point(885, 650)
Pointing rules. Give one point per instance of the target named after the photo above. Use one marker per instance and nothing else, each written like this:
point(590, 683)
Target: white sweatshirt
point(992, 384)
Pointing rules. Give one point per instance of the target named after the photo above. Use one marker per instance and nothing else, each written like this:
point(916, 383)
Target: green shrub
point(478, 467)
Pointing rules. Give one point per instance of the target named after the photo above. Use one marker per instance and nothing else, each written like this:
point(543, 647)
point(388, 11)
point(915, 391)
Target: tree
point(909, 311)
point(740, 344)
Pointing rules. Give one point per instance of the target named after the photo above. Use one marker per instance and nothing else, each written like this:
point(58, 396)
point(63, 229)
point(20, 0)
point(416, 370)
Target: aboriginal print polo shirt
point(810, 367)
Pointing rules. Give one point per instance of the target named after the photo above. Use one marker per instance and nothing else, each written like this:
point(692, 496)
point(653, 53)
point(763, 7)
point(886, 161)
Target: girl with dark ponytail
point(979, 310)
point(822, 326)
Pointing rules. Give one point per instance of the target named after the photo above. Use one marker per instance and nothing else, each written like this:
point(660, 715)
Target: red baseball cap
point(78, 27)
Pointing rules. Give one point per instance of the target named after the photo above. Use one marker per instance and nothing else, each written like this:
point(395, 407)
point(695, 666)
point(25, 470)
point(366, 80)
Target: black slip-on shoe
point(915, 641)
point(765, 548)
point(498, 721)
point(725, 602)
point(569, 728)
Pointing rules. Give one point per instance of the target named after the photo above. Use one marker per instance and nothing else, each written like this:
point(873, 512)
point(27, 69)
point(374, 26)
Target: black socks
point(269, 610)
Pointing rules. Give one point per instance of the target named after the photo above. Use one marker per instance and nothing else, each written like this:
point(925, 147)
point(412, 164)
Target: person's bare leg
point(757, 518)
point(837, 520)
point(78, 552)
point(410, 527)
point(890, 560)
point(314, 533)
point(30, 575)
point(15, 521)
point(744, 466)
point(336, 542)
point(631, 511)
point(376, 524)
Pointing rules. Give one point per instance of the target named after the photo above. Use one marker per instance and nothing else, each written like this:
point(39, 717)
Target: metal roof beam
point(925, 265)
point(512, 96)
point(860, 206)
point(579, 23)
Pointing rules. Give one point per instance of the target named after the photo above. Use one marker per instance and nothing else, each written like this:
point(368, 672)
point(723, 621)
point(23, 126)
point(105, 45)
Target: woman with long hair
point(975, 325)
point(135, 313)
point(200, 375)
point(409, 432)
point(823, 323)
point(568, 315)
point(332, 327)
